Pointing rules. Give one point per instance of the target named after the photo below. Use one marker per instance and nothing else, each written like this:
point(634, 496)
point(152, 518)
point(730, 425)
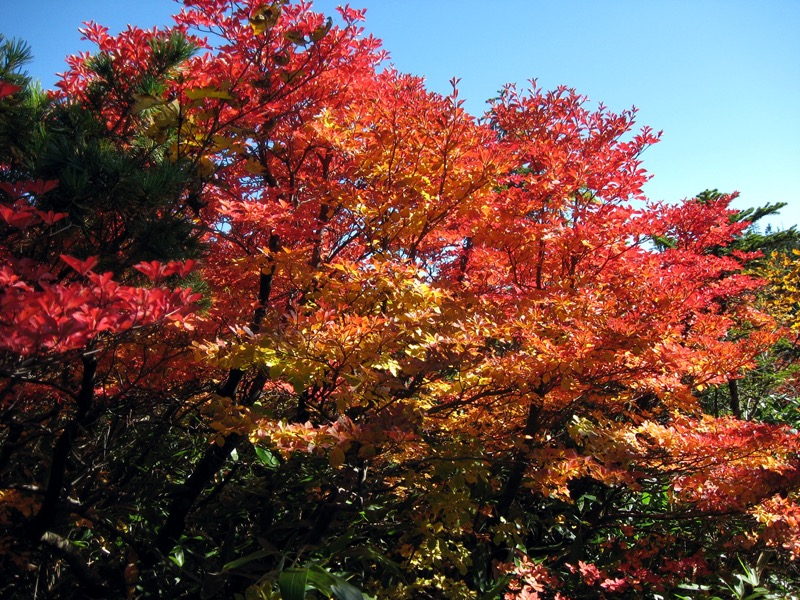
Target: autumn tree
point(756, 393)
point(85, 214)
point(276, 317)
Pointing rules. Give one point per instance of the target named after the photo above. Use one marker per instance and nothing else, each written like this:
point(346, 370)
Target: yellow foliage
point(782, 300)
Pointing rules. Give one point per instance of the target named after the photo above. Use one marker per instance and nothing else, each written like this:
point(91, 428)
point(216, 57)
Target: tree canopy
point(276, 321)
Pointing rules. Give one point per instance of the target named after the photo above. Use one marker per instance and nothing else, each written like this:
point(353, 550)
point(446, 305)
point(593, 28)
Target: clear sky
point(721, 78)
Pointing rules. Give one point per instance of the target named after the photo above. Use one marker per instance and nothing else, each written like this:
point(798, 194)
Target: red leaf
point(153, 270)
point(6, 89)
point(81, 266)
point(180, 268)
point(41, 186)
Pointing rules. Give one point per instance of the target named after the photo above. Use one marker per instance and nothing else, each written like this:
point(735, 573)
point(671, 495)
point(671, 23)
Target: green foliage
point(294, 582)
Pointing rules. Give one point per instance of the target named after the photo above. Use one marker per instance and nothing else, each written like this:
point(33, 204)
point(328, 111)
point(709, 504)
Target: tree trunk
point(63, 449)
point(736, 406)
point(215, 456)
point(520, 462)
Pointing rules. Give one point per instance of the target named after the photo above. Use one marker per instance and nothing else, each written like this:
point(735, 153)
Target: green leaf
point(328, 583)
point(267, 458)
point(292, 584)
point(177, 556)
point(344, 590)
point(240, 562)
point(497, 589)
point(664, 242)
point(758, 592)
point(373, 555)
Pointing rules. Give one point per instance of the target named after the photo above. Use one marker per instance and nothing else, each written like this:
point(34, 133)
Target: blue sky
point(721, 78)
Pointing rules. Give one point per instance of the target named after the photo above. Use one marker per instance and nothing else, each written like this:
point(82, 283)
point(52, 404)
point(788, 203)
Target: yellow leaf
point(321, 31)
point(254, 167)
point(208, 92)
point(166, 115)
point(282, 59)
point(336, 457)
point(205, 167)
point(143, 102)
point(296, 36)
point(264, 18)
point(289, 76)
point(366, 451)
